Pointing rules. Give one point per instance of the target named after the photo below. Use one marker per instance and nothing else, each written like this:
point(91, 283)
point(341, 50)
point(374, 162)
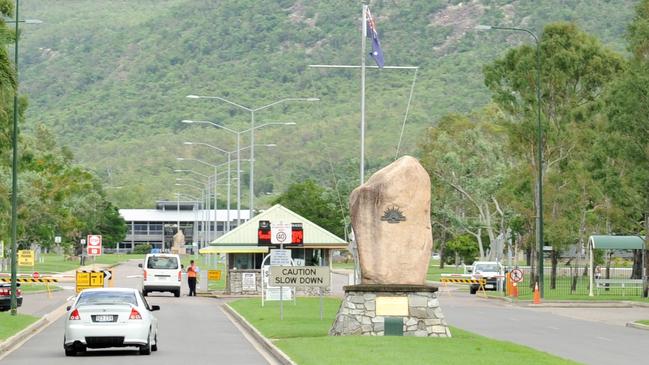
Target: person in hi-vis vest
point(192, 272)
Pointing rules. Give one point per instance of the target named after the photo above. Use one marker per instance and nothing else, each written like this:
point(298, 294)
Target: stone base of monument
point(368, 310)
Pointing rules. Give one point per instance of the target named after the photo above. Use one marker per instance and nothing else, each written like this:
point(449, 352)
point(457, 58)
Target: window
point(106, 297)
point(162, 263)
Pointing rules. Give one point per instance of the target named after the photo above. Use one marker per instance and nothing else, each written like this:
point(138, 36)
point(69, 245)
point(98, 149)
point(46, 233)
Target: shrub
point(142, 249)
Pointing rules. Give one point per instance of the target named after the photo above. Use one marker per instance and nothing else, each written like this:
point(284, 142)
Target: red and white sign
point(516, 275)
point(36, 275)
point(94, 245)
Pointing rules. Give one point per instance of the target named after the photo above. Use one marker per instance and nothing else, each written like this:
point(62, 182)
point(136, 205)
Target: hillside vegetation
point(109, 78)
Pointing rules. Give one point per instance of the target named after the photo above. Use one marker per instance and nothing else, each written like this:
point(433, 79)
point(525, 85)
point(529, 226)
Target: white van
point(162, 272)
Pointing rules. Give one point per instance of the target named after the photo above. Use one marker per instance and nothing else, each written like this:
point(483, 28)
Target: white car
point(110, 317)
point(162, 272)
point(491, 271)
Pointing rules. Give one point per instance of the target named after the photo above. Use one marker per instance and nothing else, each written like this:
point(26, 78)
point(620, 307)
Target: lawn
point(52, 263)
point(13, 324)
point(433, 269)
point(36, 287)
point(644, 321)
point(201, 263)
point(303, 337)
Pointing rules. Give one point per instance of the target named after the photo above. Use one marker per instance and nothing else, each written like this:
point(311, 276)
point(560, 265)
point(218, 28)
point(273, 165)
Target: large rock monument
point(391, 221)
point(178, 246)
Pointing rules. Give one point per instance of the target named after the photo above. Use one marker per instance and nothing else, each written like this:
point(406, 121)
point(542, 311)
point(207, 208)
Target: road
point(191, 329)
point(587, 335)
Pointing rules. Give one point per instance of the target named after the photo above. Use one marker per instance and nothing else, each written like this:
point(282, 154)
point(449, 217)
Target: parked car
point(5, 296)
point(162, 273)
point(110, 317)
point(492, 271)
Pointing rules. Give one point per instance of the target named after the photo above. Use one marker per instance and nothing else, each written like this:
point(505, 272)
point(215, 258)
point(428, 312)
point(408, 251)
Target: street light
point(539, 151)
point(229, 153)
point(13, 300)
point(252, 131)
point(193, 172)
point(204, 220)
point(215, 186)
point(238, 150)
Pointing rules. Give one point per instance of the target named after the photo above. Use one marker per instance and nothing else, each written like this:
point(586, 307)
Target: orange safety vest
point(191, 273)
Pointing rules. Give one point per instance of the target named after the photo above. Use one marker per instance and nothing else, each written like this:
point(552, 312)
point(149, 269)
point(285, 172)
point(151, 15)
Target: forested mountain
point(109, 78)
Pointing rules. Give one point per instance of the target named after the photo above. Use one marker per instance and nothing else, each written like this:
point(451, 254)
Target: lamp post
point(204, 220)
point(539, 151)
point(252, 132)
point(13, 300)
point(229, 154)
point(215, 184)
point(238, 150)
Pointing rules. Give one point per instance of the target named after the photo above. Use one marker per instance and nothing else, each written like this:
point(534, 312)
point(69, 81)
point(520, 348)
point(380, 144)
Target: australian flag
point(377, 53)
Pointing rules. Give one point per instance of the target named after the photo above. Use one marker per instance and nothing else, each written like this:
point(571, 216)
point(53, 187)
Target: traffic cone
point(537, 294)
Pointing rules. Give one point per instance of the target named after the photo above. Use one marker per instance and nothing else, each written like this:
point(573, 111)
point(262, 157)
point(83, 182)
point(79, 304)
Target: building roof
point(617, 242)
point(246, 234)
point(156, 215)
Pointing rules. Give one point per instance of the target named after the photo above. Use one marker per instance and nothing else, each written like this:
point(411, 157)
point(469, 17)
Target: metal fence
point(575, 282)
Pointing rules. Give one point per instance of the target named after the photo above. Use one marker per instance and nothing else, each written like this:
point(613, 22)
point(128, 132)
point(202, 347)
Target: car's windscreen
point(106, 297)
point(162, 262)
point(487, 268)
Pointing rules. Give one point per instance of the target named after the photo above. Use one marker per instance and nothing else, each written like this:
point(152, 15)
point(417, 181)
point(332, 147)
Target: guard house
point(246, 246)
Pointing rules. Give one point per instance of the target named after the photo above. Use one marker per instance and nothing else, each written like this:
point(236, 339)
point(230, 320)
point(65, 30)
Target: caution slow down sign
point(300, 276)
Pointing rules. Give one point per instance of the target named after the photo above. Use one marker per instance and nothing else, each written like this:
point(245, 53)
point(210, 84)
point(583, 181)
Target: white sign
point(312, 276)
point(280, 257)
point(83, 241)
point(94, 245)
point(249, 281)
point(281, 233)
point(273, 292)
point(57, 239)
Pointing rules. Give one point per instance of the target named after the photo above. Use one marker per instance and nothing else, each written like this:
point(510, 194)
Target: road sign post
point(303, 276)
point(94, 245)
point(281, 233)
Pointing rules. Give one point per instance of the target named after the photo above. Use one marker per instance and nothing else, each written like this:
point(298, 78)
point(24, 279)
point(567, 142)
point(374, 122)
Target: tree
point(467, 164)
point(576, 71)
point(463, 246)
point(314, 203)
point(628, 113)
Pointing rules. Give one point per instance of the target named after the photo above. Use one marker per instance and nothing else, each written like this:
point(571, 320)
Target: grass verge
point(10, 325)
point(644, 321)
point(52, 263)
point(34, 287)
point(303, 337)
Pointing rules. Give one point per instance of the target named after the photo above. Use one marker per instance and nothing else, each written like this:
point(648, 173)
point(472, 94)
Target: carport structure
point(613, 243)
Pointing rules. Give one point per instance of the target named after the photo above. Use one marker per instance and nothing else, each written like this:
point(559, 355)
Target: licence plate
point(489, 286)
point(104, 318)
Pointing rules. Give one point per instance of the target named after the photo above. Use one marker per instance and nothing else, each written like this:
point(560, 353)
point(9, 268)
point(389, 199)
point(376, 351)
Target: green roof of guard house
point(246, 234)
point(617, 242)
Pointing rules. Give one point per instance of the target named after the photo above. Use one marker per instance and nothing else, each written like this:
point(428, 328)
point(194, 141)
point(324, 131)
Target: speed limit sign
point(281, 233)
point(516, 275)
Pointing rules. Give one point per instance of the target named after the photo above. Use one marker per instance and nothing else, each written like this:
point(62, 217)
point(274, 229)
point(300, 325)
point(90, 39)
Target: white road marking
point(603, 338)
point(552, 328)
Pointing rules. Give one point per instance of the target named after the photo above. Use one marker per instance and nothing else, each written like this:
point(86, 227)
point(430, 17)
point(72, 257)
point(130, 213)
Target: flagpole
point(363, 56)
